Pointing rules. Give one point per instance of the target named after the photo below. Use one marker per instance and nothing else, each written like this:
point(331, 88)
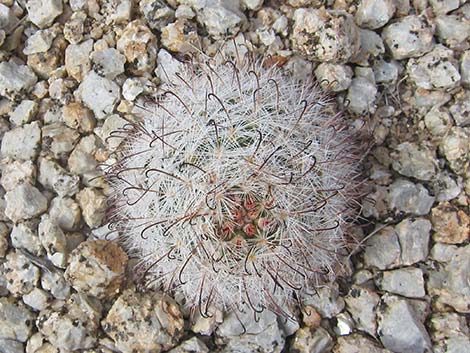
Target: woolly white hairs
point(235, 187)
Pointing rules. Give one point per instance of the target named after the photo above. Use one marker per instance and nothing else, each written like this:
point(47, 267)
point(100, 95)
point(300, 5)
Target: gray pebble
point(405, 196)
point(108, 63)
point(52, 176)
point(157, 322)
point(16, 321)
point(325, 35)
point(15, 79)
point(434, 70)
point(382, 250)
point(414, 161)
point(99, 94)
point(407, 281)
point(337, 77)
point(399, 327)
point(42, 13)
point(374, 14)
point(74, 327)
point(361, 95)
point(22, 143)
point(409, 37)
point(24, 202)
point(21, 275)
point(361, 303)
point(413, 236)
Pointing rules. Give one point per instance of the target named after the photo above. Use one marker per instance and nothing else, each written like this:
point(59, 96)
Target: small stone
point(361, 303)
point(405, 196)
point(110, 125)
point(206, 325)
point(409, 37)
point(134, 86)
point(157, 323)
point(460, 110)
point(192, 345)
point(11, 346)
point(79, 117)
point(45, 64)
point(263, 335)
point(221, 18)
point(58, 140)
point(97, 268)
point(453, 30)
point(118, 11)
point(371, 46)
point(414, 161)
point(361, 95)
point(344, 324)
point(434, 70)
point(37, 299)
point(139, 46)
point(21, 275)
point(77, 60)
point(15, 79)
point(16, 173)
point(82, 159)
point(438, 121)
point(24, 112)
point(383, 249)
point(39, 42)
point(180, 37)
point(99, 94)
point(157, 13)
point(413, 236)
point(327, 301)
point(55, 284)
point(167, 67)
point(43, 12)
point(423, 98)
point(184, 11)
point(447, 187)
point(386, 72)
point(25, 236)
point(440, 7)
point(93, 205)
point(24, 202)
point(374, 14)
point(465, 68)
point(16, 321)
point(322, 35)
point(306, 340)
point(22, 142)
point(66, 212)
point(356, 343)
point(454, 146)
point(56, 178)
point(399, 327)
point(53, 240)
point(450, 225)
point(407, 281)
point(108, 63)
point(74, 327)
point(337, 77)
point(74, 28)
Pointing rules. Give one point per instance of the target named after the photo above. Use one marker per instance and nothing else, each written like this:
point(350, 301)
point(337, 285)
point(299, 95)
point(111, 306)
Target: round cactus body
point(235, 187)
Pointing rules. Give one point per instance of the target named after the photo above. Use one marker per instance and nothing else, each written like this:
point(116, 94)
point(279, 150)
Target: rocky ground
point(71, 70)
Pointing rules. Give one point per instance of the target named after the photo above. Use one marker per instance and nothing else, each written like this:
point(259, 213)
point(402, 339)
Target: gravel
point(71, 73)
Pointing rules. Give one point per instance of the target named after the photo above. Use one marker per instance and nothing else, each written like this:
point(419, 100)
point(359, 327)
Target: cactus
point(236, 186)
